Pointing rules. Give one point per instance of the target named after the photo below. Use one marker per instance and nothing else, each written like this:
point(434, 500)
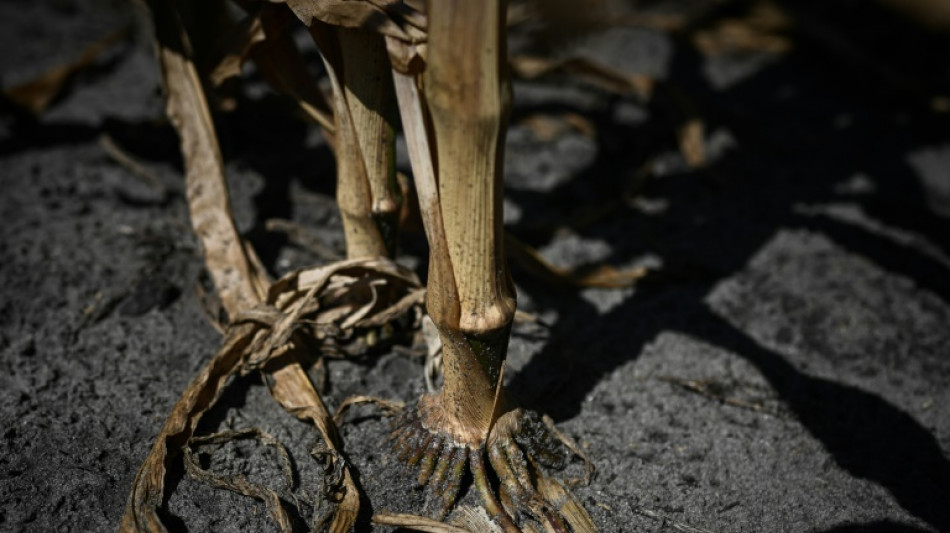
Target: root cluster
point(505, 468)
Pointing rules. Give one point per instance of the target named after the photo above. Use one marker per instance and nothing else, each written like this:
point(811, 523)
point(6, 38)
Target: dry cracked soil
point(782, 367)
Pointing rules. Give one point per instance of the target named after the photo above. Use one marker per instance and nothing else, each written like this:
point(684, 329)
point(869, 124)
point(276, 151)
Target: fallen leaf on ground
point(597, 74)
point(601, 276)
point(36, 95)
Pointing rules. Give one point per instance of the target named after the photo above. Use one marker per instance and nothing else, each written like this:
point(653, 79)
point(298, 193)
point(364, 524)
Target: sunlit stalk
point(468, 96)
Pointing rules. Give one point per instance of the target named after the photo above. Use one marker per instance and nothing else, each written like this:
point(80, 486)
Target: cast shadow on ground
point(789, 154)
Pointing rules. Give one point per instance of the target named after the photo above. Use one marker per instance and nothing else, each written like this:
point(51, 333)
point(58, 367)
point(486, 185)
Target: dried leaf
point(263, 36)
point(239, 483)
point(575, 449)
point(36, 95)
point(290, 386)
point(474, 519)
point(267, 319)
point(337, 298)
point(565, 503)
point(128, 162)
point(548, 127)
point(419, 142)
point(281, 63)
point(236, 47)
point(389, 406)
point(593, 72)
point(603, 276)
point(393, 19)
point(419, 523)
point(207, 191)
point(403, 25)
point(147, 494)
point(762, 28)
point(692, 142)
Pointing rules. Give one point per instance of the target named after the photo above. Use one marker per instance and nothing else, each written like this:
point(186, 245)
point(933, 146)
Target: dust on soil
point(803, 272)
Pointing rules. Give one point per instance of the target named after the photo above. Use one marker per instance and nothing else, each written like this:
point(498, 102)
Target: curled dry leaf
point(692, 141)
point(389, 406)
point(239, 483)
point(147, 494)
point(236, 47)
point(263, 36)
point(307, 302)
point(335, 299)
point(282, 64)
point(391, 18)
point(345, 295)
point(290, 386)
point(474, 519)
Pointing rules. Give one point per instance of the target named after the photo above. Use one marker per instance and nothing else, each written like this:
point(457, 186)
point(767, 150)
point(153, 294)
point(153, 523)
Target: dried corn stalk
point(455, 116)
point(456, 149)
point(350, 36)
point(268, 322)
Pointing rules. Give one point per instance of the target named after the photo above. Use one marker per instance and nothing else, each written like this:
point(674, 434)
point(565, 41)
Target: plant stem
point(364, 143)
point(471, 297)
point(369, 95)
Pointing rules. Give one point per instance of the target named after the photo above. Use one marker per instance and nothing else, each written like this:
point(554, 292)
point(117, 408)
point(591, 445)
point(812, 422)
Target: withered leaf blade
point(388, 406)
point(593, 72)
point(242, 285)
point(209, 203)
point(421, 523)
point(147, 494)
point(239, 483)
point(281, 64)
point(474, 519)
point(293, 390)
point(35, 96)
point(394, 19)
point(565, 503)
point(236, 48)
point(258, 340)
point(602, 276)
point(692, 142)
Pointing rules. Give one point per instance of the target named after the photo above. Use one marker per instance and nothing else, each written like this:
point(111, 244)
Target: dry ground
point(783, 368)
